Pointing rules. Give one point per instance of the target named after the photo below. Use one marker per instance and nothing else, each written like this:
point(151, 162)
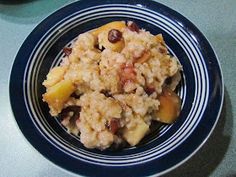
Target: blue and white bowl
point(201, 90)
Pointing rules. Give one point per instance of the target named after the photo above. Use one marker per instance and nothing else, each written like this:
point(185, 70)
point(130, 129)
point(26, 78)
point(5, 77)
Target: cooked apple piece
point(145, 56)
point(54, 76)
point(58, 94)
point(118, 25)
point(173, 81)
point(134, 135)
point(170, 105)
point(159, 38)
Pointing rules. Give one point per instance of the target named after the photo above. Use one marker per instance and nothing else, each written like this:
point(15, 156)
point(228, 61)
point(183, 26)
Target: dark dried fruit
point(114, 36)
point(106, 93)
point(149, 90)
point(67, 50)
point(168, 80)
point(114, 125)
point(75, 95)
point(133, 26)
point(74, 110)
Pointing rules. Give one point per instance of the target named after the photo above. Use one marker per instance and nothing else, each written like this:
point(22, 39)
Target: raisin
point(106, 93)
point(67, 50)
point(168, 80)
point(75, 95)
point(65, 112)
point(114, 36)
point(133, 26)
point(114, 125)
point(149, 90)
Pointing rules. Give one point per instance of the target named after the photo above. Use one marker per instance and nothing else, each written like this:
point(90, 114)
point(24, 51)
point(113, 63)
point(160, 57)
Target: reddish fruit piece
point(133, 26)
point(114, 125)
point(67, 50)
point(150, 89)
point(127, 73)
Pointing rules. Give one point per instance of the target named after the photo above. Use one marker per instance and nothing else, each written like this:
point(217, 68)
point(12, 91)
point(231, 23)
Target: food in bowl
point(112, 84)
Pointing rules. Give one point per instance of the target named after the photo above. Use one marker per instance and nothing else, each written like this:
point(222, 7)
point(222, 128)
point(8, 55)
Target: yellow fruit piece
point(170, 105)
point(146, 56)
point(159, 38)
point(133, 136)
point(58, 94)
point(116, 47)
point(54, 76)
point(165, 62)
point(118, 25)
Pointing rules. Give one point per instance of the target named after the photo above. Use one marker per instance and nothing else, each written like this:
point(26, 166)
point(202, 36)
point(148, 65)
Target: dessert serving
point(112, 84)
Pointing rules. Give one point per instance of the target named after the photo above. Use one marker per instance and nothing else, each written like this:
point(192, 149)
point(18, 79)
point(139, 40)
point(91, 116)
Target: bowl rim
point(57, 12)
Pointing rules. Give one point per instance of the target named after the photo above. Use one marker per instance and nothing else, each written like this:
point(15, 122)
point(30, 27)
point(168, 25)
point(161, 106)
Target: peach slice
point(170, 105)
point(118, 25)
